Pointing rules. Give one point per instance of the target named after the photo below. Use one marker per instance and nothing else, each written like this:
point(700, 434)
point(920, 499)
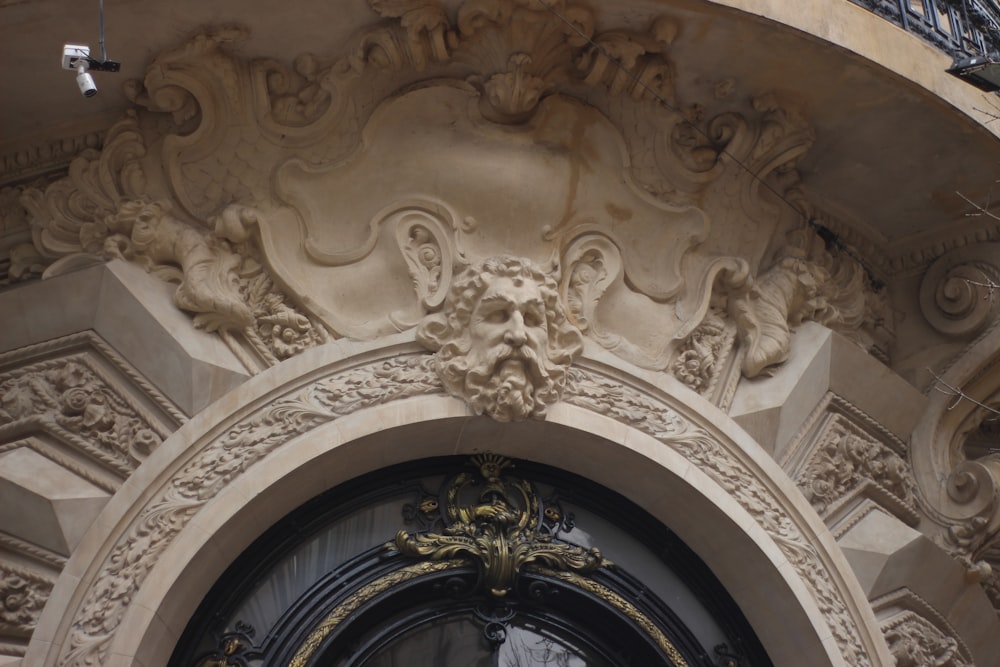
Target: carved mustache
point(503, 353)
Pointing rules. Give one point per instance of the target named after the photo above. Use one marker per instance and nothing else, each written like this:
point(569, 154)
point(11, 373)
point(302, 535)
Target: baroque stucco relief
point(338, 198)
point(363, 195)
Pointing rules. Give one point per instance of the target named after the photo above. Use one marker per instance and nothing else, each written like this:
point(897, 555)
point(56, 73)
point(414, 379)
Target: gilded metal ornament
point(319, 634)
point(500, 523)
point(235, 649)
point(499, 528)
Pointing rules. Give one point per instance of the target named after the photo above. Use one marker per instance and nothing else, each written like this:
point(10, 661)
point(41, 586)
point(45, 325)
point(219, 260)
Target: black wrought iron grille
point(961, 28)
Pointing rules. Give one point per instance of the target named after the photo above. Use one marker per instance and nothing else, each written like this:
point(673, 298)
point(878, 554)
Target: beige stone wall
point(568, 242)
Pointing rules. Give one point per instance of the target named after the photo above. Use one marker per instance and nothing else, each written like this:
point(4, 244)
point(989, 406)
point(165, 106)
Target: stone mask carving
point(503, 341)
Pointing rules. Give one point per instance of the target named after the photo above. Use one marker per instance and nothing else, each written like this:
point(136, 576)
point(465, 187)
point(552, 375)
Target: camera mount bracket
point(76, 54)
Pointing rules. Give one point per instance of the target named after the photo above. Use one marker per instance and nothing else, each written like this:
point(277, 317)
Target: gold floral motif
point(500, 530)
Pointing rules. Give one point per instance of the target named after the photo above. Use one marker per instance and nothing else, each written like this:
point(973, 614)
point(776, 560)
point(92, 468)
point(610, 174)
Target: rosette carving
point(69, 397)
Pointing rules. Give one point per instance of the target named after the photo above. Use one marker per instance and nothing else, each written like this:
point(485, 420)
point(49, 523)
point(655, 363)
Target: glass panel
point(631, 555)
point(458, 641)
point(439, 643)
point(944, 19)
point(316, 557)
point(528, 645)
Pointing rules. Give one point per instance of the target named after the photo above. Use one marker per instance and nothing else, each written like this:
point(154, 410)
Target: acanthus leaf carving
point(230, 134)
point(67, 216)
point(806, 282)
point(242, 446)
point(846, 459)
point(207, 266)
point(23, 594)
point(503, 532)
point(606, 396)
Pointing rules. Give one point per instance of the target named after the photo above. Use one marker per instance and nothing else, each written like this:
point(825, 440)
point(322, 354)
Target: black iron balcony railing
point(961, 28)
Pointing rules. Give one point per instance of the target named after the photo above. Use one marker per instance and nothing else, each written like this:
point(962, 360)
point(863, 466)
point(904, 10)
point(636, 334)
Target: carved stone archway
point(341, 410)
point(651, 242)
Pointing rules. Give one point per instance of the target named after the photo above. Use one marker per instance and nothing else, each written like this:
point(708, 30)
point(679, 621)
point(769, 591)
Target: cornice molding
point(47, 156)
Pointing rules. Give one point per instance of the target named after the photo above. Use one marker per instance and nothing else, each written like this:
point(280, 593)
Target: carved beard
point(505, 383)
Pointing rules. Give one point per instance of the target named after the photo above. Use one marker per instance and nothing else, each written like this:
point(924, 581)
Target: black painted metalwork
point(540, 598)
point(960, 28)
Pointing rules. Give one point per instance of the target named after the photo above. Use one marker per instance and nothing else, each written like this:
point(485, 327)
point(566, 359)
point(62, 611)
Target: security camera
point(77, 57)
point(85, 81)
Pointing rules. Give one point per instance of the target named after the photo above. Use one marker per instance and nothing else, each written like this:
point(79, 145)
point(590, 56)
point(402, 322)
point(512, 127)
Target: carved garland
point(69, 397)
point(23, 594)
point(242, 446)
point(605, 396)
point(248, 441)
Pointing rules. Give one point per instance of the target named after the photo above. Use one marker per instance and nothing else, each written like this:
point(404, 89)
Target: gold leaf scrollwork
point(499, 530)
point(498, 522)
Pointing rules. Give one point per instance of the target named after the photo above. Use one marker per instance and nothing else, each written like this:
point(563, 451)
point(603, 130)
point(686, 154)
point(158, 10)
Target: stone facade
point(541, 229)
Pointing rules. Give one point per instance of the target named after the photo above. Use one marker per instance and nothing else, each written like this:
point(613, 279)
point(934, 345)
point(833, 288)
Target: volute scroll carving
point(955, 440)
point(958, 300)
point(292, 204)
point(957, 295)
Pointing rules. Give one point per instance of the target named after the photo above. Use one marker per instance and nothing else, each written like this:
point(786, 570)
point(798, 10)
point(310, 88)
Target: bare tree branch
point(960, 396)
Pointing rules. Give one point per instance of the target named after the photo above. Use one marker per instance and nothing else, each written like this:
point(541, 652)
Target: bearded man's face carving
point(504, 343)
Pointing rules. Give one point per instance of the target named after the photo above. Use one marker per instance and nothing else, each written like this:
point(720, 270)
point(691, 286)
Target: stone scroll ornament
point(954, 448)
point(249, 185)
